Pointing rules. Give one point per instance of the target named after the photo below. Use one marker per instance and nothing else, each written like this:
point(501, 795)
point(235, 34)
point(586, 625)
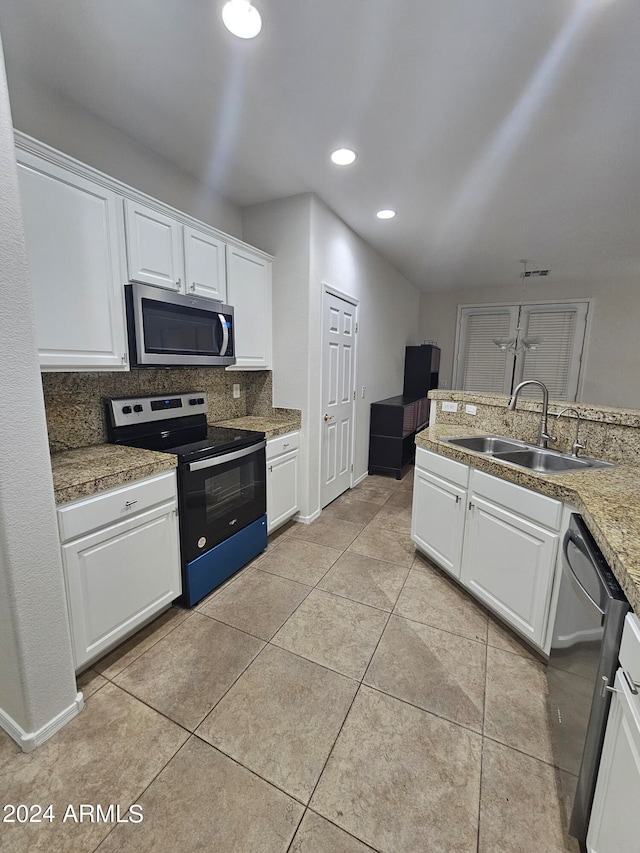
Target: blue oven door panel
point(210, 569)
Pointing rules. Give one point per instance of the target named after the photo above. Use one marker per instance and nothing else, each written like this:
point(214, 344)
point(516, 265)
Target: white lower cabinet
point(500, 540)
point(613, 827)
point(437, 521)
point(509, 564)
point(282, 479)
point(122, 565)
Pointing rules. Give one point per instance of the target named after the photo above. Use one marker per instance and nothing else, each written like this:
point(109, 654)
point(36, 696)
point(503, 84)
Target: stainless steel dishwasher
point(584, 650)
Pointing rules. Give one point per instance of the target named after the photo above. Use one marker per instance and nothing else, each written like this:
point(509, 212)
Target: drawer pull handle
point(129, 504)
point(632, 685)
point(286, 445)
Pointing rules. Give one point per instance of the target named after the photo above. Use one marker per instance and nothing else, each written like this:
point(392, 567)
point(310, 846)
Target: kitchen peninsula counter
point(607, 498)
point(86, 471)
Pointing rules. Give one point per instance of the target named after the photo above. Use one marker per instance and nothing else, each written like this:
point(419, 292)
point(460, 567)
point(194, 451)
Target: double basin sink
point(542, 460)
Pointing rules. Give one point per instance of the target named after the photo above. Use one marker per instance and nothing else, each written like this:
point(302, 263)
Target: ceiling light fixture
point(343, 156)
point(520, 343)
point(386, 214)
point(241, 18)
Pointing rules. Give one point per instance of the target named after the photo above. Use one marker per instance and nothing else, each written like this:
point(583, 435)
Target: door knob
point(328, 417)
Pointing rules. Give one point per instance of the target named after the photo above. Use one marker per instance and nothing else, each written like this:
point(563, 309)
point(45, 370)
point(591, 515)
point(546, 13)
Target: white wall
point(59, 123)
point(611, 374)
point(37, 682)
point(387, 319)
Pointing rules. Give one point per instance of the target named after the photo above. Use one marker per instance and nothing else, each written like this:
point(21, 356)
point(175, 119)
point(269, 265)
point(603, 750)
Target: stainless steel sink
point(539, 459)
point(488, 443)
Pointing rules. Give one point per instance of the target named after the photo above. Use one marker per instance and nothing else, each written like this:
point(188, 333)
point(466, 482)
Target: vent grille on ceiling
point(536, 273)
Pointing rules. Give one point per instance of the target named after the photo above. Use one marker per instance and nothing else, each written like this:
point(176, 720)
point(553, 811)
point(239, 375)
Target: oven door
point(220, 496)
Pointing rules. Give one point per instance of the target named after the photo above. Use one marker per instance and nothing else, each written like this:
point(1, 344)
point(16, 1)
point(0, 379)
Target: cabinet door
point(75, 264)
point(282, 489)
point(437, 521)
point(154, 247)
point(119, 577)
point(613, 827)
point(249, 291)
point(205, 265)
point(509, 564)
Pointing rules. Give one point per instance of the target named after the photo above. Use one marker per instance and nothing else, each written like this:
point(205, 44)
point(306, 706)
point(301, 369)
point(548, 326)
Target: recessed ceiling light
point(241, 18)
point(343, 157)
point(386, 214)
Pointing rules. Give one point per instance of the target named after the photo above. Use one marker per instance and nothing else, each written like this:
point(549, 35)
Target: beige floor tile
point(90, 682)
point(392, 517)
point(500, 637)
point(244, 571)
point(317, 835)
point(187, 672)
point(384, 545)
point(259, 603)
point(516, 704)
point(139, 643)
point(374, 492)
point(519, 809)
point(333, 532)
point(365, 580)
point(435, 670)
point(299, 560)
point(402, 499)
point(284, 734)
point(282, 532)
point(402, 780)
point(204, 801)
point(350, 508)
point(334, 632)
point(108, 754)
point(430, 597)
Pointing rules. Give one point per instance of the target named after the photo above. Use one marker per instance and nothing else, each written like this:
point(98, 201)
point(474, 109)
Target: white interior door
point(338, 388)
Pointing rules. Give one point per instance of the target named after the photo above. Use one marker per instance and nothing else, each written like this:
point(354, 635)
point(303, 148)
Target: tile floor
point(338, 695)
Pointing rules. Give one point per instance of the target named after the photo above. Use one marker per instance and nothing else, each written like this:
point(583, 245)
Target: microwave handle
point(225, 334)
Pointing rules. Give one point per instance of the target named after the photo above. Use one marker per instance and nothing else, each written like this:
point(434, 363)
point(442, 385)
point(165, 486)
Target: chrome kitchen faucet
point(543, 435)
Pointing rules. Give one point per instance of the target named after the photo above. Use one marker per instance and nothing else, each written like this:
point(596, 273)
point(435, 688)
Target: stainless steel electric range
point(221, 482)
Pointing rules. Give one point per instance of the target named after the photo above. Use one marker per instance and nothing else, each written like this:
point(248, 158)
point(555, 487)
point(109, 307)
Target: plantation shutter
point(556, 359)
point(482, 366)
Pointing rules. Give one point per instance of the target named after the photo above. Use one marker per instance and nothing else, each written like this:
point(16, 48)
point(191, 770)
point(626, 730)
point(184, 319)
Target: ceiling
point(498, 130)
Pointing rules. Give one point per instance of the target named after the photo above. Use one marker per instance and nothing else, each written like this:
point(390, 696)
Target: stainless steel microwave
point(168, 329)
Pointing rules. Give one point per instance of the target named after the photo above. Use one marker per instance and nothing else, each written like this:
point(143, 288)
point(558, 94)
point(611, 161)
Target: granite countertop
point(607, 499)
point(279, 422)
point(84, 472)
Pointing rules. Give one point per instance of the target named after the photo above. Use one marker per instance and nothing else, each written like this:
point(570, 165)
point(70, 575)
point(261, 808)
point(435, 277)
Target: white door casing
point(338, 390)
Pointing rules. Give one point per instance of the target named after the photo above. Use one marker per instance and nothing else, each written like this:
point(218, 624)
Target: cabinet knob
point(179, 282)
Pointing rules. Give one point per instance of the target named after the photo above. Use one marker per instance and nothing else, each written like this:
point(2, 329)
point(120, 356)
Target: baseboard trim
point(28, 741)
point(362, 477)
point(307, 519)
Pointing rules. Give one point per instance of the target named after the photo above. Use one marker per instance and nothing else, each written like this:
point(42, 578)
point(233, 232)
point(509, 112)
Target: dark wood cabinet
point(392, 431)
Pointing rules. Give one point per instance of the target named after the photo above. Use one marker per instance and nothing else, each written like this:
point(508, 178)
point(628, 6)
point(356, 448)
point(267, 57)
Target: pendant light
point(519, 343)
point(241, 18)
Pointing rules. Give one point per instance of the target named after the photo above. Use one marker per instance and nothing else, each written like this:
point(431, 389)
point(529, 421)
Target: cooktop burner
point(173, 424)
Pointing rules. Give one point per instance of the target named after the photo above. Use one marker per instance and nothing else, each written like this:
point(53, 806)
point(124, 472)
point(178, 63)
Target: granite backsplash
point(75, 409)
point(609, 433)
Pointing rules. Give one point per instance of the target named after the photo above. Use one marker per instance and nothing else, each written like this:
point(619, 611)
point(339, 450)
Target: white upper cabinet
point(75, 264)
point(205, 265)
point(154, 247)
point(249, 291)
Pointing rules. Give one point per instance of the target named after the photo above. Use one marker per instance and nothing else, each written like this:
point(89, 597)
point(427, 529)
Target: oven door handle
point(226, 457)
point(225, 334)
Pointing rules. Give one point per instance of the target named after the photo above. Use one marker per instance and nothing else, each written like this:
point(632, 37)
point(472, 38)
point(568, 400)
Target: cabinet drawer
point(87, 514)
point(283, 444)
point(522, 501)
point(442, 466)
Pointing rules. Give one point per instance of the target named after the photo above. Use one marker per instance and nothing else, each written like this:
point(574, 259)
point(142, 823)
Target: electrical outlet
point(236, 390)
point(470, 409)
point(448, 406)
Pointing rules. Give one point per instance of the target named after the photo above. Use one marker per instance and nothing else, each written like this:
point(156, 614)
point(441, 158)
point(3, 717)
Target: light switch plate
point(471, 409)
point(448, 406)
point(236, 390)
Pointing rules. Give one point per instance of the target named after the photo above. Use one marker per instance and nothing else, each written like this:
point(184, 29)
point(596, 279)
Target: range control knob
point(137, 407)
point(193, 401)
point(126, 410)
point(201, 400)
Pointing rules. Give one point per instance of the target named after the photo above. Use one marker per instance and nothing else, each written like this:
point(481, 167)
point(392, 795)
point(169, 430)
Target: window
point(482, 366)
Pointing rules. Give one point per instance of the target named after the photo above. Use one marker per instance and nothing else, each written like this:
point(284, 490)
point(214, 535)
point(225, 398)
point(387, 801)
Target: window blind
point(484, 367)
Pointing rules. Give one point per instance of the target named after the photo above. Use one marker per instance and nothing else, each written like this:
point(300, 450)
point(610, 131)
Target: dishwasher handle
point(570, 538)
